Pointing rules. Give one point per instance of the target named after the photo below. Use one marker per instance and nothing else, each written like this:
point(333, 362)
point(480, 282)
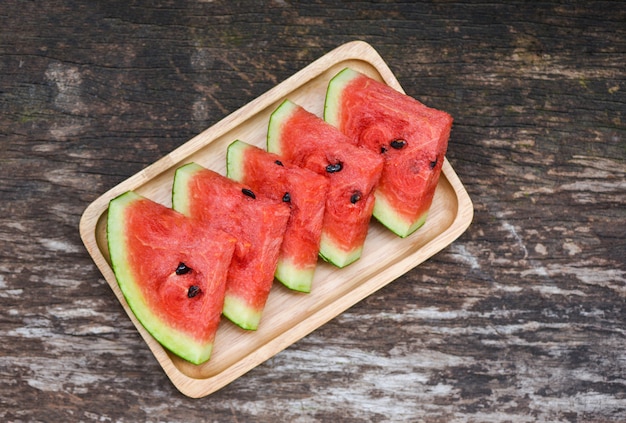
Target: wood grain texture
point(521, 319)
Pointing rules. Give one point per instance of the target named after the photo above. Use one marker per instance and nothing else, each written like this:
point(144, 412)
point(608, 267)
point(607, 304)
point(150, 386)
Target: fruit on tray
point(172, 276)
point(257, 222)
point(411, 137)
point(312, 193)
point(304, 139)
point(305, 193)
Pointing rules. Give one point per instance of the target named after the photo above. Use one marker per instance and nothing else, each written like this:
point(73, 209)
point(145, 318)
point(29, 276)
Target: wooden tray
point(288, 315)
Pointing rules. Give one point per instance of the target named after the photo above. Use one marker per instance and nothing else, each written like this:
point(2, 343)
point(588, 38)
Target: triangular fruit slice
point(257, 222)
point(412, 138)
point(305, 193)
point(305, 140)
point(173, 278)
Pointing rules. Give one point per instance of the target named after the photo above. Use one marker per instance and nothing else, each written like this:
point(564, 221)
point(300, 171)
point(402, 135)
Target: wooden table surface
point(522, 318)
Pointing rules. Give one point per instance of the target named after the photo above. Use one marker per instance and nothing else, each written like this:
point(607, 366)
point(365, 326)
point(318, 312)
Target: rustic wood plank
point(521, 319)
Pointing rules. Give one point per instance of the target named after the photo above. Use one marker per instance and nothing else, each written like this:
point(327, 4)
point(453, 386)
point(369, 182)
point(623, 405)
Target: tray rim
point(200, 387)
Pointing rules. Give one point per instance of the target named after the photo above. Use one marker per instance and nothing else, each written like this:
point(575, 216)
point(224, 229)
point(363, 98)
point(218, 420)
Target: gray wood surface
point(521, 319)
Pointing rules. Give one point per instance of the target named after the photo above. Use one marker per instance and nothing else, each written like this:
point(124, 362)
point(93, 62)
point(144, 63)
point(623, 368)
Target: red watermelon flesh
point(411, 137)
point(257, 222)
point(173, 278)
point(305, 140)
point(305, 193)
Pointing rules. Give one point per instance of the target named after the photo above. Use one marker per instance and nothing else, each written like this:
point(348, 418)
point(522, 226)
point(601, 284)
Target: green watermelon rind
point(293, 277)
point(234, 160)
point(180, 199)
point(393, 221)
point(338, 257)
point(332, 104)
point(290, 275)
point(178, 343)
point(240, 313)
point(278, 116)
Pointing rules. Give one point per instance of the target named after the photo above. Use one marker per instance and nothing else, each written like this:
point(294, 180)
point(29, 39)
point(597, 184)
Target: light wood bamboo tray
point(288, 315)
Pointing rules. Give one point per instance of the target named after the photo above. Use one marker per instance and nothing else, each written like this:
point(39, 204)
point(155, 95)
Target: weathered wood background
point(521, 319)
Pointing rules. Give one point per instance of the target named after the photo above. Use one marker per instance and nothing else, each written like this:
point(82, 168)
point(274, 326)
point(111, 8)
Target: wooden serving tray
point(288, 315)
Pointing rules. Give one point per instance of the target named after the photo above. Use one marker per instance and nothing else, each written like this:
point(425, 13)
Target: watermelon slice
point(257, 222)
point(305, 140)
point(173, 278)
point(411, 137)
point(304, 191)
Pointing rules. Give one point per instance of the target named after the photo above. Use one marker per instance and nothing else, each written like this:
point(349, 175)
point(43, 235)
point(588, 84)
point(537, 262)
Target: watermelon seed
point(433, 163)
point(247, 192)
point(398, 144)
point(287, 197)
point(193, 291)
point(278, 162)
point(383, 149)
point(182, 269)
point(355, 197)
point(332, 168)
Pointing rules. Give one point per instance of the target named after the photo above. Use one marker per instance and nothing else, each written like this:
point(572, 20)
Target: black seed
point(433, 163)
point(336, 167)
point(383, 149)
point(278, 162)
point(355, 197)
point(182, 269)
point(247, 192)
point(193, 291)
point(398, 144)
point(287, 197)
